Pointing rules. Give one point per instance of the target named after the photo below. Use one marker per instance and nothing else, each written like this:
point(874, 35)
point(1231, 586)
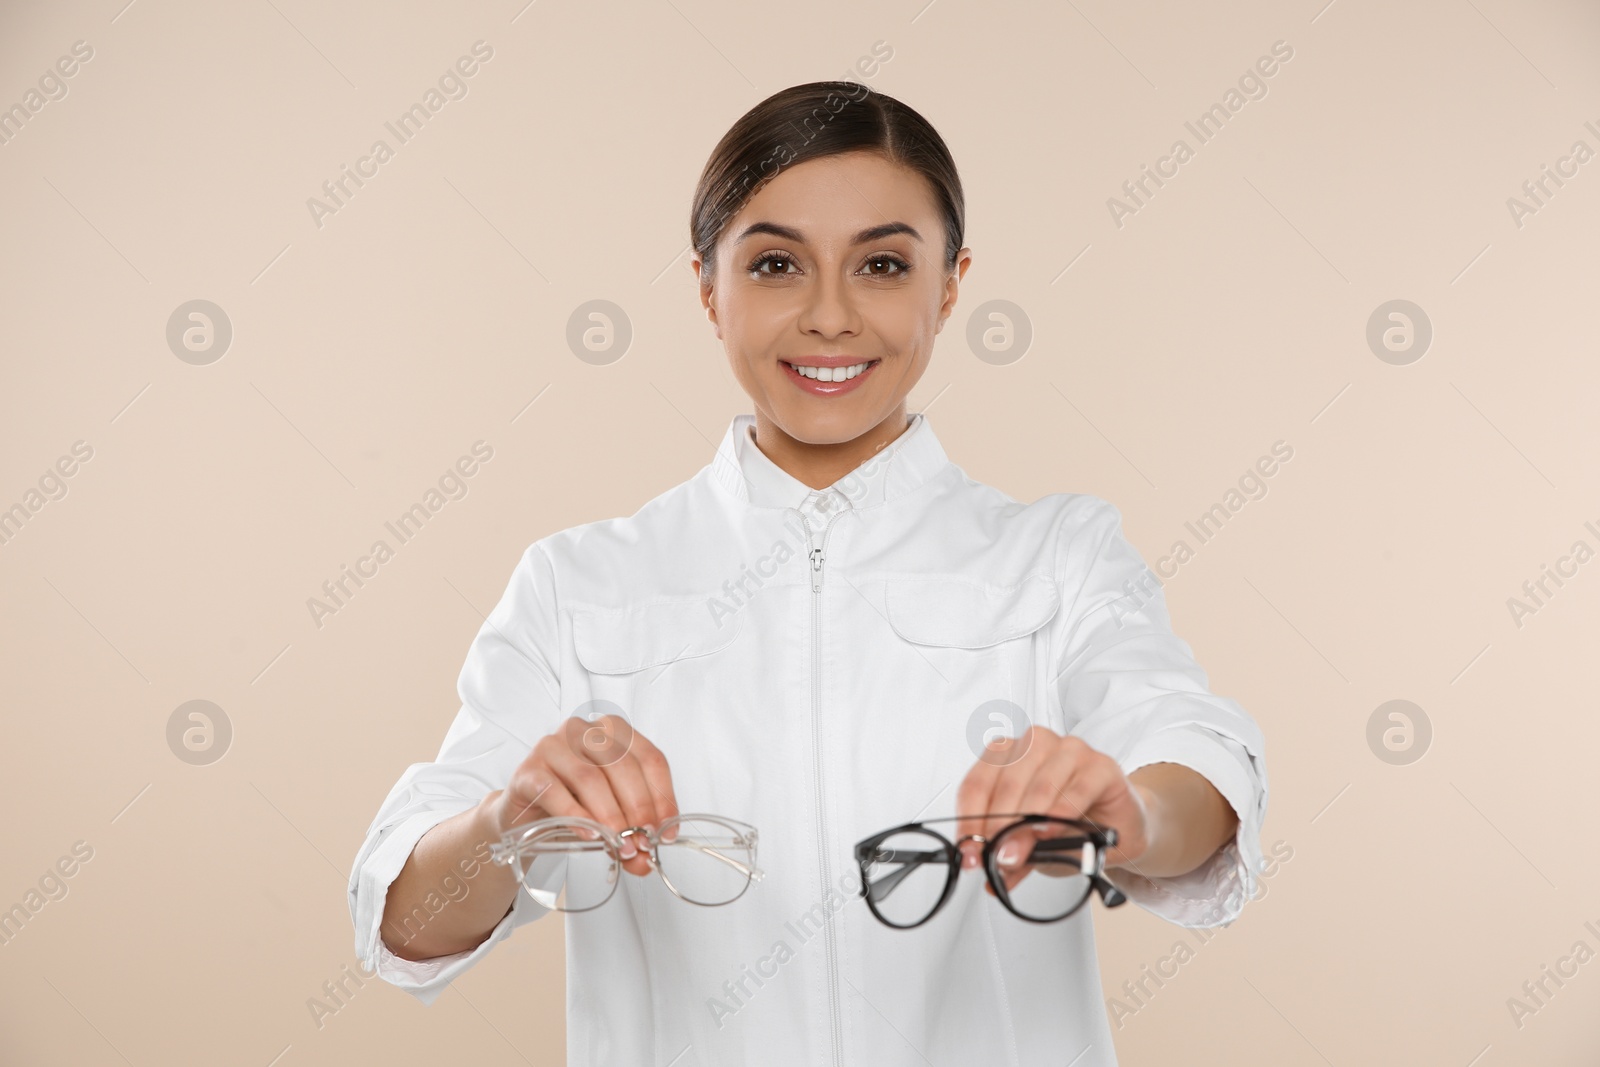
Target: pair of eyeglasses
point(571, 864)
point(1042, 868)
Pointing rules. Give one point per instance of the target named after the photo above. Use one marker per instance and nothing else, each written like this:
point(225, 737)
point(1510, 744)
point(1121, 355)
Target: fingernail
point(968, 861)
point(1009, 854)
point(628, 850)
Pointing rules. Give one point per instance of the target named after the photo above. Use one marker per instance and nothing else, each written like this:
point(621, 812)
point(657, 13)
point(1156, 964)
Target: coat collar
point(905, 463)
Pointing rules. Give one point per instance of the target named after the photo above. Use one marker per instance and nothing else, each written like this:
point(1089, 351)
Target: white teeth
point(832, 374)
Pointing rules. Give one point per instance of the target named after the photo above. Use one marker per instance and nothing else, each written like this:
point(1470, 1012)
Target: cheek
point(748, 317)
point(741, 337)
point(912, 321)
point(745, 347)
point(908, 334)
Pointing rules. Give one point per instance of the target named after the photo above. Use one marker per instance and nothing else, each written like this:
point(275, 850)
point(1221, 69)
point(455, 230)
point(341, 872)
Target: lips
point(831, 371)
point(830, 366)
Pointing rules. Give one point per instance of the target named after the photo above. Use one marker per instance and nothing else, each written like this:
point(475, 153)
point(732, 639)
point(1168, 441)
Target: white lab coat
point(822, 697)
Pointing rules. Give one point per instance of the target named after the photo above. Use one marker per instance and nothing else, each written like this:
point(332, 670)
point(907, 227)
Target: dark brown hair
point(808, 122)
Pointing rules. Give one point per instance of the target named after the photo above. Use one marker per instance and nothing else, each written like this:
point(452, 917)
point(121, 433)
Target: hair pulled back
point(811, 121)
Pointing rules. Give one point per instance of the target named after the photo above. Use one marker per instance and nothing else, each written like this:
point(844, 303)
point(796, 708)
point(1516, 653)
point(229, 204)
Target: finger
point(587, 783)
point(630, 790)
point(591, 797)
point(1068, 783)
point(1016, 779)
point(1013, 857)
point(658, 777)
point(972, 801)
point(1073, 784)
point(1016, 792)
point(536, 793)
point(633, 797)
point(532, 795)
point(1012, 877)
point(608, 741)
point(638, 861)
point(1094, 792)
point(996, 763)
point(1101, 794)
point(602, 740)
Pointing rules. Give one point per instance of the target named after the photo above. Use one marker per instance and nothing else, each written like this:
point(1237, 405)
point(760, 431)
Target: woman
point(826, 632)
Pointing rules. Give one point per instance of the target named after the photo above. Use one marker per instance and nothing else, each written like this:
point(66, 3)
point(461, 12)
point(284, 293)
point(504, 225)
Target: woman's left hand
point(1043, 771)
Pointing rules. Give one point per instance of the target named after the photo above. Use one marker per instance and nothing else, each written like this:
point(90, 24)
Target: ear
point(707, 292)
point(952, 286)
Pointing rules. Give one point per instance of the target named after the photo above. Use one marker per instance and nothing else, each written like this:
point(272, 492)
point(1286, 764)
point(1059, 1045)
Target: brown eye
point(897, 266)
point(775, 258)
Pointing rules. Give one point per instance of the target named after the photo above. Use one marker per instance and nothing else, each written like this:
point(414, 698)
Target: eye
point(765, 258)
point(889, 259)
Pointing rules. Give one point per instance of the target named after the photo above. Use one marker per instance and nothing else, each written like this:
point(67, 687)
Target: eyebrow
point(871, 233)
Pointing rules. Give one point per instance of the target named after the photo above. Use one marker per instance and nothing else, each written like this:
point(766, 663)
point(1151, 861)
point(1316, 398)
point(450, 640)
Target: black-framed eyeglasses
point(1041, 867)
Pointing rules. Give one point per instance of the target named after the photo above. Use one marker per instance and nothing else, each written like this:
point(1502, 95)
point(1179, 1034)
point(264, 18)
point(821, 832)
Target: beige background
point(368, 353)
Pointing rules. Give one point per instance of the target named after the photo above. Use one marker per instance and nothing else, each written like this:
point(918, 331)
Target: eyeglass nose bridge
point(644, 848)
point(979, 838)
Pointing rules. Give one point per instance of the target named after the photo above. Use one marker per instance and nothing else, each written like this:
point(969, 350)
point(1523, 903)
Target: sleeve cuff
point(424, 979)
point(1215, 893)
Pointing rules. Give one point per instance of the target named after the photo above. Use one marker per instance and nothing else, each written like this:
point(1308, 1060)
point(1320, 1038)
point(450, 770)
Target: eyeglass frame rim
point(1103, 837)
point(504, 851)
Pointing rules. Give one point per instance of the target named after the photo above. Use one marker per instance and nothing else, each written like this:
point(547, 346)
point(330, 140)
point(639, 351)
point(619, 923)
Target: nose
point(829, 309)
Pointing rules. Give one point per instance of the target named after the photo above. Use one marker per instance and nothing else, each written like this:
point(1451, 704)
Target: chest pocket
point(663, 665)
point(641, 636)
point(960, 613)
point(976, 637)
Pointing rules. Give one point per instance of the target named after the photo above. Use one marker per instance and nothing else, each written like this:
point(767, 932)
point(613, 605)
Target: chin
point(826, 427)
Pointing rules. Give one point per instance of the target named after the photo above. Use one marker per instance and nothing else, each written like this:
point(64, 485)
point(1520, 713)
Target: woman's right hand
point(601, 769)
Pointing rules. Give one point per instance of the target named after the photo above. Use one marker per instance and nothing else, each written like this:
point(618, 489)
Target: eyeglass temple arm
point(1110, 895)
point(879, 888)
point(744, 869)
point(503, 853)
point(1049, 847)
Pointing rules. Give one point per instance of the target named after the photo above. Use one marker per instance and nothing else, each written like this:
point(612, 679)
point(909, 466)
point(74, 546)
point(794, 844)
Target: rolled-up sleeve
point(510, 697)
point(1129, 687)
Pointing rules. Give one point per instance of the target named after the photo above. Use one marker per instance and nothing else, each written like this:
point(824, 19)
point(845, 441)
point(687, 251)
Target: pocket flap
point(960, 613)
point(622, 640)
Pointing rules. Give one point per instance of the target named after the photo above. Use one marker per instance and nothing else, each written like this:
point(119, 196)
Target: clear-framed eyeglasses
point(573, 864)
point(1042, 868)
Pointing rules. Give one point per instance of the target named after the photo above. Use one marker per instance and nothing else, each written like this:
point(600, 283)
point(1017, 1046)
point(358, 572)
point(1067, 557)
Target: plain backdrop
point(1436, 862)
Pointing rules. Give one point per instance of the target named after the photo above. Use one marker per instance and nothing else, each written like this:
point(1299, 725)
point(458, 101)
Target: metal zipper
point(816, 556)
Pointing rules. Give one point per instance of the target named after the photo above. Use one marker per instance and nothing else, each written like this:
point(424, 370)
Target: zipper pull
point(816, 570)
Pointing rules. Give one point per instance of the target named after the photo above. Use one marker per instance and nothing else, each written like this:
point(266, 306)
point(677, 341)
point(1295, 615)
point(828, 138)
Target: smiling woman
point(833, 689)
point(827, 283)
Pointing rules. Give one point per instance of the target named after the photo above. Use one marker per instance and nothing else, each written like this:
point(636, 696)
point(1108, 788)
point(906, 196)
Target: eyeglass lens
point(706, 861)
point(906, 876)
point(702, 860)
point(565, 869)
point(1045, 867)
point(1042, 865)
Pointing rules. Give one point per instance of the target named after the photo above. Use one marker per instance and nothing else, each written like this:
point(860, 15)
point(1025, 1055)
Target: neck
point(820, 465)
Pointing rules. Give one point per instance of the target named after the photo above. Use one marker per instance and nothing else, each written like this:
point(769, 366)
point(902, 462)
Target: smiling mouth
point(830, 374)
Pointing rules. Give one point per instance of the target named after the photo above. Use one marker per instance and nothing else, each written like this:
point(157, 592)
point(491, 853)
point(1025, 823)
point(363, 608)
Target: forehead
point(832, 197)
